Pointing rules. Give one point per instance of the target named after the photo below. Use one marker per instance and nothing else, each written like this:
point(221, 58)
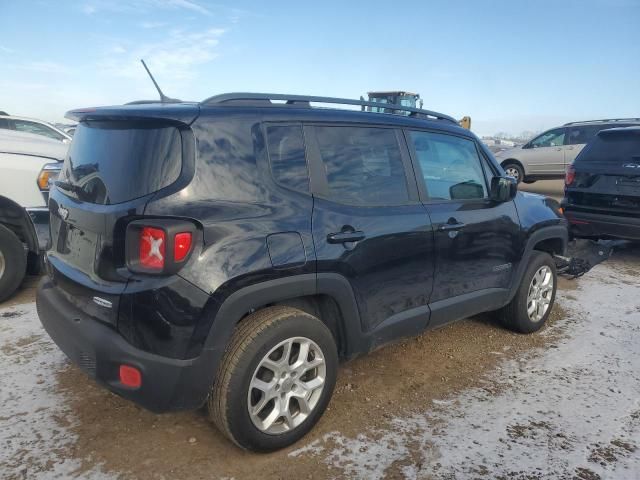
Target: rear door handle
point(451, 226)
point(344, 237)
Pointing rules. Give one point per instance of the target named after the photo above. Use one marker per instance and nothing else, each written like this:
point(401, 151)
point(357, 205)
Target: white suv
point(31, 125)
point(28, 165)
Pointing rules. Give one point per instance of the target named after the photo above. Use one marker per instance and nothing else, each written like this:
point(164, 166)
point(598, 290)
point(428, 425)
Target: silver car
point(550, 153)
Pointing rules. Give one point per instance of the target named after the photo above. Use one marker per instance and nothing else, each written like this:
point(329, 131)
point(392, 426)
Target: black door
point(476, 239)
point(369, 225)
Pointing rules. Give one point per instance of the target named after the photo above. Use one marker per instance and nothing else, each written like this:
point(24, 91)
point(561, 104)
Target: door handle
point(558, 149)
point(569, 148)
point(451, 226)
point(344, 237)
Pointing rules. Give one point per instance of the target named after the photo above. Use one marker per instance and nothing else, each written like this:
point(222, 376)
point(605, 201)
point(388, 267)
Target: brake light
point(152, 248)
point(181, 246)
point(570, 175)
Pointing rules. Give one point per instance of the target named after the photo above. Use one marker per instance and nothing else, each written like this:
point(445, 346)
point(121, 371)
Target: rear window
point(613, 147)
point(114, 162)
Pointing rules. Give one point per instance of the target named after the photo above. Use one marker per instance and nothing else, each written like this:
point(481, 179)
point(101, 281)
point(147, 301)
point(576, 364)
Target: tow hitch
point(583, 255)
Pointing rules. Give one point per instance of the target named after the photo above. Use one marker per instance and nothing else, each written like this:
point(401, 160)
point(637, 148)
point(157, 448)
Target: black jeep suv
point(602, 187)
point(230, 252)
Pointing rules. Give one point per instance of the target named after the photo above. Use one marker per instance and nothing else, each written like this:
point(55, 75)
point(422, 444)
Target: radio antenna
point(163, 97)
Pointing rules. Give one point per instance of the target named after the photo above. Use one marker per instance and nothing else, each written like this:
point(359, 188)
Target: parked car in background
point(602, 187)
point(229, 252)
point(547, 155)
point(28, 165)
point(34, 126)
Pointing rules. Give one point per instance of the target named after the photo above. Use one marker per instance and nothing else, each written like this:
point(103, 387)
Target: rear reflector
point(570, 175)
point(181, 246)
point(130, 376)
point(152, 248)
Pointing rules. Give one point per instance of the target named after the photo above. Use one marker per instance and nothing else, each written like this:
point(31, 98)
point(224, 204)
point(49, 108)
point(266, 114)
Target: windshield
point(113, 162)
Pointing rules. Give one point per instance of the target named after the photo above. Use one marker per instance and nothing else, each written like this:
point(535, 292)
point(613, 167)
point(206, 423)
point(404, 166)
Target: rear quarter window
point(287, 156)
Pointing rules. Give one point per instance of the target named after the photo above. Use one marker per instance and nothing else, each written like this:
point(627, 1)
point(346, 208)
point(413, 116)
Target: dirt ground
point(470, 400)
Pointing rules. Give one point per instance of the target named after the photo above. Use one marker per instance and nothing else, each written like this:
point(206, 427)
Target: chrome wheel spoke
point(274, 415)
point(303, 354)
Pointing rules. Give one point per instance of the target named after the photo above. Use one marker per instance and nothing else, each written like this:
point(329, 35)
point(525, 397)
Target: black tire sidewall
point(15, 263)
point(240, 425)
point(522, 321)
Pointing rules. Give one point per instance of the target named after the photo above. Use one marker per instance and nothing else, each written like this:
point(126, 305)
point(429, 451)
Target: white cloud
point(173, 58)
point(141, 6)
point(4, 49)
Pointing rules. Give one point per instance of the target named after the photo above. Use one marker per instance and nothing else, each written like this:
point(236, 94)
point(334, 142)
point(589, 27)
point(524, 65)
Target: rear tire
point(265, 396)
point(530, 307)
point(13, 263)
point(514, 170)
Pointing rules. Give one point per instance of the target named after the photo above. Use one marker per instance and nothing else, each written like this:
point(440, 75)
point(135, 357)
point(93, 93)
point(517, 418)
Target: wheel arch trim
point(238, 304)
point(552, 232)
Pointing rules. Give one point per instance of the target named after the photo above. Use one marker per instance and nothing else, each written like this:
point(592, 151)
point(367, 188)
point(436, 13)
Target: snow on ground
point(571, 411)
point(34, 439)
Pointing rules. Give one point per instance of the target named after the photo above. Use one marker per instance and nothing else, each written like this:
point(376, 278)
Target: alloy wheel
point(286, 386)
point(540, 293)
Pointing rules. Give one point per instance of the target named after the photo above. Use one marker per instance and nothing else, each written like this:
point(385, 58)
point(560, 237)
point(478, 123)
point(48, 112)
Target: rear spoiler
point(178, 112)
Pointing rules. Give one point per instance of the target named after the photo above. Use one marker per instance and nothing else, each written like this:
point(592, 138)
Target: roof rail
point(604, 120)
point(265, 99)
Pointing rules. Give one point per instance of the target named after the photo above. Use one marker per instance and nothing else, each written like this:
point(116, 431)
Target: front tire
point(530, 307)
point(514, 170)
point(13, 263)
point(275, 379)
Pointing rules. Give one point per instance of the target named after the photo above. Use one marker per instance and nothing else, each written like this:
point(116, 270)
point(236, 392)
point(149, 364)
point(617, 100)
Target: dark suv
point(602, 187)
point(230, 252)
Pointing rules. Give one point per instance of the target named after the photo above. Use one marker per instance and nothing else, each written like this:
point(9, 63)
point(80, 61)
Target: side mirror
point(503, 189)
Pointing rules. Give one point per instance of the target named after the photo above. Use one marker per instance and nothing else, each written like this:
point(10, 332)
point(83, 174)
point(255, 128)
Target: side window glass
point(37, 129)
point(552, 138)
point(286, 155)
point(451, 167)
point(363, 165)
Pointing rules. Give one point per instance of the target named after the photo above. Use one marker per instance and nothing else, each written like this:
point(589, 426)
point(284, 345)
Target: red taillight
point(152, 248)
point(181, 246)
point(570, 175)
point(130, 376)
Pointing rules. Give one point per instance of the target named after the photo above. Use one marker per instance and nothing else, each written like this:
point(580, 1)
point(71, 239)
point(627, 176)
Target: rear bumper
point(167, 384)
point(586, 224)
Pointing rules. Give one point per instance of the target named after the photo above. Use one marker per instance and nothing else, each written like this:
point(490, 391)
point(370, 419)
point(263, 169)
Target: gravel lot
point(470, 400)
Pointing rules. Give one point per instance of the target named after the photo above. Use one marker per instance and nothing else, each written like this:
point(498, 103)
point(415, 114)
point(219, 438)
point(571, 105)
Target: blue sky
point(510, 65)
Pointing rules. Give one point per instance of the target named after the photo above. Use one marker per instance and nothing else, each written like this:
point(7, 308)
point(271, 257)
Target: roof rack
point(604, 120)
point(304, 101)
